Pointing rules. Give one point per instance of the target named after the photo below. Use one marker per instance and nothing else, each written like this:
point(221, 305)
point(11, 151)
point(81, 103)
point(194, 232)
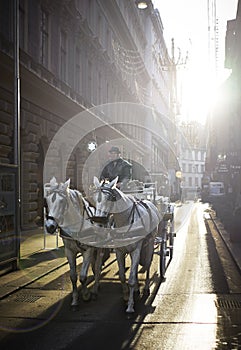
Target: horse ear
point(96, 182)
point(113, 182)
point(53, 182)
point(67, 184)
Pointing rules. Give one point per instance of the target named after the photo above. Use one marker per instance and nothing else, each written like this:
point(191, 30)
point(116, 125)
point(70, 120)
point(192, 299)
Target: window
point(100, 28)
point(107, 91)
point(108, 41)
point(78, 73)
point(23, 25)
point(90, 11)
point(190, 182)
point(44, 38)
point(63, 56)
point(89, 80)
point(99, 88)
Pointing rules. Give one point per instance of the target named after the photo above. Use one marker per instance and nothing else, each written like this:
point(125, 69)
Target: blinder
point(62, 194)
point(53, 197)
point(110, 193)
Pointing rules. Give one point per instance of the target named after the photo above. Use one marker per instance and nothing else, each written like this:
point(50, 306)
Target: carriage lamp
point(92, 145)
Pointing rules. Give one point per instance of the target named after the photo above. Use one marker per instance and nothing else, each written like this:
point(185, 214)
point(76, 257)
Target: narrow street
point(101, 99)
point(197, 306)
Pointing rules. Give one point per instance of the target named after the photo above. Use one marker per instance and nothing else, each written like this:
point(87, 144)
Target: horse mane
point(74, 196)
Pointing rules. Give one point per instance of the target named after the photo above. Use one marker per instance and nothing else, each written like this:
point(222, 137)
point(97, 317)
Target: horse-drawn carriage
point(134, 222)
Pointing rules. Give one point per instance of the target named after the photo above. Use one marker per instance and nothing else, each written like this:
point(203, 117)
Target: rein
point(132, 213)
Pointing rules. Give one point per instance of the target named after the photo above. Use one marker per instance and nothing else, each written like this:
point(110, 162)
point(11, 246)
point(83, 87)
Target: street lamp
point(141, 4)
point(171, 64)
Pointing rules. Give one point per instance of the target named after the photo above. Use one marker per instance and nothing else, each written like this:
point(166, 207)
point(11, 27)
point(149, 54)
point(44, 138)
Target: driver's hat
point(114, 149)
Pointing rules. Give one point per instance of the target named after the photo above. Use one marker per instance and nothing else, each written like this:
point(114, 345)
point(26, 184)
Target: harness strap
point(65, 235)
point(87, 207)
point(132, 213)
point(50, 217)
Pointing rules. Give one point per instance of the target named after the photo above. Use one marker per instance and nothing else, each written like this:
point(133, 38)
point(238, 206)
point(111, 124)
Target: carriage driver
point(117, 166)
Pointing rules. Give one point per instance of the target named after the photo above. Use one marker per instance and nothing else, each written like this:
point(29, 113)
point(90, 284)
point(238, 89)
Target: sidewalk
point(233, 247)
point(40, 253)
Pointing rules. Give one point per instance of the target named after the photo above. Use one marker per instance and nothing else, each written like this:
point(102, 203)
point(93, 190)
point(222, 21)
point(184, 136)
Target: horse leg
point(120, 256)
point(71, 257)
point(148, 265)
point(97, 271)
point(146, 290)
point(133, 279)
point(87, 256)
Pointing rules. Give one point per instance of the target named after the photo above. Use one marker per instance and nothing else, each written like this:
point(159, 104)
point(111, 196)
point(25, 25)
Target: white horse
point(129, 216)
point(68, 209)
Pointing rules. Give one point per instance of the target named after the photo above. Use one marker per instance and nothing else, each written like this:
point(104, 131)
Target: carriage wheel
point(163, 255)
point(171, 238)
point(171, 246)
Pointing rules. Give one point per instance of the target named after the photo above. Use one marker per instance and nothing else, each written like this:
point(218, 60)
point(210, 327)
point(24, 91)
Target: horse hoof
point(94, 296)
point(129, 315)
point(86, 297)
point(125, 297)
point(146, 292)
point(74, 308)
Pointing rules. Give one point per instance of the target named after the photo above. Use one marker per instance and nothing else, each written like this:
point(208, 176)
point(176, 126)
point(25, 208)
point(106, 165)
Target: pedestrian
point(117, 166)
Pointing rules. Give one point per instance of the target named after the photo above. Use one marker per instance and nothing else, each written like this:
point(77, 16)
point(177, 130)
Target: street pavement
point(41, 253)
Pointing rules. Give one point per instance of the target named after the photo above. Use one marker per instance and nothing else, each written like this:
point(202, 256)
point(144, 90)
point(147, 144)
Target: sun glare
point(199, 94)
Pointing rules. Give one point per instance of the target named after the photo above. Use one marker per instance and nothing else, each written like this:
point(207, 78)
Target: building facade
point(192, 159)
point(95, 59)
point(224, 148)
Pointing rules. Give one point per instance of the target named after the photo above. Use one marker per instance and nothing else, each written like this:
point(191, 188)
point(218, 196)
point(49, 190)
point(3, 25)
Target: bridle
point(112, 194)
point(63, 194)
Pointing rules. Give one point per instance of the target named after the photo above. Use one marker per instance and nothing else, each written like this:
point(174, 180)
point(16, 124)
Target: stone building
point(224, 148)
point(95, 59)
point(192, 158)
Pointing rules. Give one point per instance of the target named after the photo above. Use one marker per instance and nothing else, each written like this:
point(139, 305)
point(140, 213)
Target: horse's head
point(105, 195)
point(57, 201)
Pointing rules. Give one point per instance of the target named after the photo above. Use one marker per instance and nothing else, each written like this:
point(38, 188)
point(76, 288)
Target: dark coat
point(114, 168)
